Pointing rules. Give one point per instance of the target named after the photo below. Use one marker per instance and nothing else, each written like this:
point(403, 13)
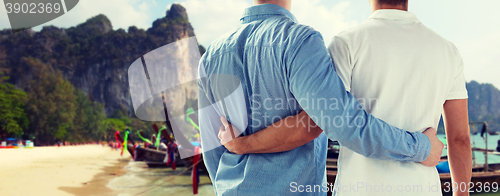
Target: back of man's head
point(389, 4)
point(392, 2)
point(268, 1)
point(283, 3)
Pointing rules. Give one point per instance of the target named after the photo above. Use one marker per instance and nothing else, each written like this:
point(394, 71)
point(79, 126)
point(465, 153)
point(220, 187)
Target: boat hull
point(154, 158)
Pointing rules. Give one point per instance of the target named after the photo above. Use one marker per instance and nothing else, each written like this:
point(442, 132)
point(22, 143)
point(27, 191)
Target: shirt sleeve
point(209, 124)
point(312, 78)
point(458, 89)
point(339, 52)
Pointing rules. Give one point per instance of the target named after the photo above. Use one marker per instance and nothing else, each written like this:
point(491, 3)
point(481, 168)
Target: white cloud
point(481, 58)
point(213, 18)
point(4, 20)
point(474, 29)
point(144, 7)
point(329, 21)
point(122, 13)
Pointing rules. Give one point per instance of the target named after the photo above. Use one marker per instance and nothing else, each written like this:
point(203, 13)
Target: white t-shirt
point(402, 72)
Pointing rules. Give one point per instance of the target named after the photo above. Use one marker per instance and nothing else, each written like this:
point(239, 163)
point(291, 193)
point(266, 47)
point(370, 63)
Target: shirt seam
point(218, 54)
point(351, 66)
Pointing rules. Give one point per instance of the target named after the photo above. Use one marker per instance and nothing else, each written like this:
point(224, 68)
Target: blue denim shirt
point(283, 68)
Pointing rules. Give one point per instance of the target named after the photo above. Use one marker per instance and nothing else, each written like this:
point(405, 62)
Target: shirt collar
point(263, 11)
point(393, 14)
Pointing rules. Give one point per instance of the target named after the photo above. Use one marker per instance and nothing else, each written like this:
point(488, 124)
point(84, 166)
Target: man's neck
point(287, 4)
point(394, 7)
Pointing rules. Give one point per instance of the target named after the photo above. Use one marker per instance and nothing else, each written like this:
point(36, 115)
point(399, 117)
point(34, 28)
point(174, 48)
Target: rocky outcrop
point(92, 56)
point(484, 104)
point(177, 12)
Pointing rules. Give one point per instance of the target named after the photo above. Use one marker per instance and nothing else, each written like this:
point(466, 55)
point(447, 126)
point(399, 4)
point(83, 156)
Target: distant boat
point(494, 133)
point(333, 150)
point(152, 157)
point(155, 158)
point(498, 146)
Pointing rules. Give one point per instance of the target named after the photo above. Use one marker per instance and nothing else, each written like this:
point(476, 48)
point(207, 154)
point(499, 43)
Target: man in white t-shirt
point(406, 75)
point(392, 60)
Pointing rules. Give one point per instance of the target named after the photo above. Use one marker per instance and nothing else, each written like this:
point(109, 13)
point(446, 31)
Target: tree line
point(52, 110)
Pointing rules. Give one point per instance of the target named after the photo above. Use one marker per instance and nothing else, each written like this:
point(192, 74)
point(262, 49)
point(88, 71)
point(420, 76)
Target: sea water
point(141, 180)
point(479, 142)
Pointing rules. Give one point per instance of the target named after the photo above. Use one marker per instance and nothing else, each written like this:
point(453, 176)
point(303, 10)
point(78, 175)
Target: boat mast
point(484, 135)
point(485, 129)
point(183, 141)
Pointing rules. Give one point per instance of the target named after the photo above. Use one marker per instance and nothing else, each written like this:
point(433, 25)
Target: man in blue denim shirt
point(283, 69)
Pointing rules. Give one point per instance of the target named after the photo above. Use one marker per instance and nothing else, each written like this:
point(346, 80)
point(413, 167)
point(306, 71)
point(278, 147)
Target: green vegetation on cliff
point(71, 84)
point(13, 118)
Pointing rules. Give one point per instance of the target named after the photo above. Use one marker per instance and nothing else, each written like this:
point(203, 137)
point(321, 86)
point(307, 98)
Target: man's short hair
point(393, 2)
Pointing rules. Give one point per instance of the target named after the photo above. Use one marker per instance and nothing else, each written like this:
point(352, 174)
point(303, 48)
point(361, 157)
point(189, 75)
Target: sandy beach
point(59, 171)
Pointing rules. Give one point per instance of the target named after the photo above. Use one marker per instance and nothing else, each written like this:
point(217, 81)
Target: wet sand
point(89, 170)
point(59, 171)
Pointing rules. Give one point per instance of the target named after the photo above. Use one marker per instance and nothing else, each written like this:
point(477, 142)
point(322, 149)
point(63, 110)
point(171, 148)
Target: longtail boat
point(155, 157)
point(180, 143)
point(152, 154)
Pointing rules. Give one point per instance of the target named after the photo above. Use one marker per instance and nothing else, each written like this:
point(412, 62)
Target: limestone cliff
point(93, 56)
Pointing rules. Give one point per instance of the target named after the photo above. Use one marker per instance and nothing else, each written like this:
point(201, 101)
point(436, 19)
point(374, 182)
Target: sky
point(472, 26)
